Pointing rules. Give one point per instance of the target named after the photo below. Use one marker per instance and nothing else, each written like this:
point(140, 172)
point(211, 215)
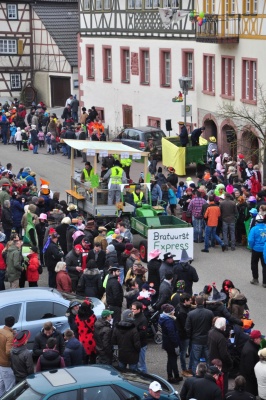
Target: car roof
point(146, 128)
point(44, 382)
point(22, 294)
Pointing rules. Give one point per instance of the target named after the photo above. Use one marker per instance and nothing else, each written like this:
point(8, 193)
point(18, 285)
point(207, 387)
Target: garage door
point(60, 90)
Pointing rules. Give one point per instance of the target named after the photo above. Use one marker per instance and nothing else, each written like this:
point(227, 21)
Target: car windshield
point(155, 135)
point(143, 380)
point(22, 391)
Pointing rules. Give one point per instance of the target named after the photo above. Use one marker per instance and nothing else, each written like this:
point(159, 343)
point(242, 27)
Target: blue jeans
point(231, 228)
point(183, 351)
point(142, 362)
point(35, 149)
point(133, 367)
point(198, 226)
point(75, 116)
point(210, 233)
point(198, 351)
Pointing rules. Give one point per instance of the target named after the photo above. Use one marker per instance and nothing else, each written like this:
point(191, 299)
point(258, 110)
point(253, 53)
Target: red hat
point(255, 334)
point(78, 247)
point(21, 338)
point(241, 156)
point(171, 169)
point(52, 230)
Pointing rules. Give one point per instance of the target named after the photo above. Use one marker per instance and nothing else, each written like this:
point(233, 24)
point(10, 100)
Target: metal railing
point(223, 28)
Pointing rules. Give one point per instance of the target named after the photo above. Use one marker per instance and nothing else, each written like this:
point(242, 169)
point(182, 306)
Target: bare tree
point(249, 118)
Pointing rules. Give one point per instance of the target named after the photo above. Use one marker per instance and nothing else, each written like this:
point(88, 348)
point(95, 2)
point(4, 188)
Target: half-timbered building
point(16, 66)
point(38, 49)
point(130, 63)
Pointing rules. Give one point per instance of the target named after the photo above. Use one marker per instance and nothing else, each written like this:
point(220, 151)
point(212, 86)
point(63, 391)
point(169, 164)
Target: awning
point(110, 147)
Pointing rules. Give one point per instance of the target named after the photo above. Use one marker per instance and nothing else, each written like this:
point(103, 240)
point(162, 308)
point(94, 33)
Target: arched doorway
point(250, 146)
point(210, 129)
point(229, 141)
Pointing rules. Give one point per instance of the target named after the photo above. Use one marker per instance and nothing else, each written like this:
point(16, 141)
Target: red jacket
point(32, 269)
point(2, 261)
point(63, 282)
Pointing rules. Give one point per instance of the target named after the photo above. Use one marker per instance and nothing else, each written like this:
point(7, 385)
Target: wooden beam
point(72, 166)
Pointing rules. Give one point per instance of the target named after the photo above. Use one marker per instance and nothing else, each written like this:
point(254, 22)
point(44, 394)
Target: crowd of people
point(226, 207)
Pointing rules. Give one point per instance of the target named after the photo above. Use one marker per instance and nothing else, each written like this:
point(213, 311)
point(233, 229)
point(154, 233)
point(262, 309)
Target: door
point(127, 116)
point(60, 90)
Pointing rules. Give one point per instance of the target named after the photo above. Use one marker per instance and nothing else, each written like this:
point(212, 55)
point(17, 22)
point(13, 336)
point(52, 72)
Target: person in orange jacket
point(33, 266)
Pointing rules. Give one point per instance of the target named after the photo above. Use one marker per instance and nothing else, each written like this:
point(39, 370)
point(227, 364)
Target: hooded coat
point(170, 334)
point(237, 306)
point(21, 362)
point(103, 337)
point(187, 273)
point(127, 338)
point(218, 348)
point(74, 353)
point(111, 259)
point(50, 359)
point(90, 283)
point(13, 263)
point(41, 340)
point(17, 210)
point(85, 320)
point(32, 268)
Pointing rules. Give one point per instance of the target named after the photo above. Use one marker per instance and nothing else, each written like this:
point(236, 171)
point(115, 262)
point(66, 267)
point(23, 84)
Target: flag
point(169, 15)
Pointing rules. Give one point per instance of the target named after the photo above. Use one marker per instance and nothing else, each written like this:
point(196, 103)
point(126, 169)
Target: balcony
point(219, 29)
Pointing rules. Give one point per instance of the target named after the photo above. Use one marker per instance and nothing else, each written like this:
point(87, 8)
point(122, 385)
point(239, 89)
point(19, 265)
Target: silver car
point(32, 307)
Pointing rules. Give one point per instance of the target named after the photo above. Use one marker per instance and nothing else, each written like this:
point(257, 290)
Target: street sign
point(188, 110)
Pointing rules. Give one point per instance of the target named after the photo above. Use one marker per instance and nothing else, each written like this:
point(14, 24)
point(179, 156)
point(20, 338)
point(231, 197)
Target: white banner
point(172, 240)
point(169, 15)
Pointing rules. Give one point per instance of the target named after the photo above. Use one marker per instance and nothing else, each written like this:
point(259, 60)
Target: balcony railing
point(219, 29)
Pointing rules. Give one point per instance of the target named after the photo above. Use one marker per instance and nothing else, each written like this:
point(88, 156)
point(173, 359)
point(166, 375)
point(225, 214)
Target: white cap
point(155, 386)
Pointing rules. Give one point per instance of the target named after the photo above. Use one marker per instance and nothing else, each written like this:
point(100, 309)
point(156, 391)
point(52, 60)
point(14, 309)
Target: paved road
point(212, 267)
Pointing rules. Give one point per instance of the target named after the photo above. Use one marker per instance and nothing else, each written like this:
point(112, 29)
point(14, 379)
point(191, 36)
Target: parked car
point(31, 307)
point(138, 137)
point(95, 382)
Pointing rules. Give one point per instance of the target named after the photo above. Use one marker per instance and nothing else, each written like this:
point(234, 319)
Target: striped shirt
point(195, 206)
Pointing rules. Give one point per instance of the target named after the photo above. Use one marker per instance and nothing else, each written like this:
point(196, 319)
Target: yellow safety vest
point(126, 162)
point(137, 199)
point(116, 175)
point(87, 175)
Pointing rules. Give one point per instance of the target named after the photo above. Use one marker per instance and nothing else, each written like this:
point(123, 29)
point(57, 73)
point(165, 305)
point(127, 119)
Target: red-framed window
point(249, 80)
point(228, 77)
point(209, 74)
point(125, 64)
point(188, 65)
point(165, 68)
point(144, 57)
point(90, 62)
point(107, 64)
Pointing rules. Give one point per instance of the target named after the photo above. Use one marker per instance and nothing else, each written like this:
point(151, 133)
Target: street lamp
point(185, 83)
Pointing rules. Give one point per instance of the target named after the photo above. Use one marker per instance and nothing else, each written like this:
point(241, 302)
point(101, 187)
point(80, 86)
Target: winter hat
point(34, 249)
point(214, 370)
point(146, 286)
point(102, 229)
point(110, 248)
point(129, 246)
point(262, 352)
point(167, 308)
point(27, 169)
point(21, 338)
point(253, 211)
point(241, 156)
point(78, 247)
point(127, 316)
point(252, 199)
point(66, 220)
point(85, 310)
point(43, 216)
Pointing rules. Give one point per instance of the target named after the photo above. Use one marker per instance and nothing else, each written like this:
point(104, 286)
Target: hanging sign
point(136, 156)
point(90, 152)
point(103, 153)
point(124, 155)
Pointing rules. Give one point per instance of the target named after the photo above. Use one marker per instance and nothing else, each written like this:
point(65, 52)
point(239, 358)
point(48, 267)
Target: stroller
point(154, 329)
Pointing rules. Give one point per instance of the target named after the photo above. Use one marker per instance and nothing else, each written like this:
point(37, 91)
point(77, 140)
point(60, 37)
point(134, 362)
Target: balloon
point(201, 14)
point(200, 22)
point(191, 14)
point(198, 18)
point(195, 13)
point(204, 20)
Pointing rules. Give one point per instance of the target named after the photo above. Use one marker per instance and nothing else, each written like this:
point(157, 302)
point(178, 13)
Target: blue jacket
point(257, 237)
point(74, 353)
point(181, 191)
point(171, 196)
point(156, 192)
point(170, 334)
point(13, 130)
point(17, 210)
point(264, 252)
